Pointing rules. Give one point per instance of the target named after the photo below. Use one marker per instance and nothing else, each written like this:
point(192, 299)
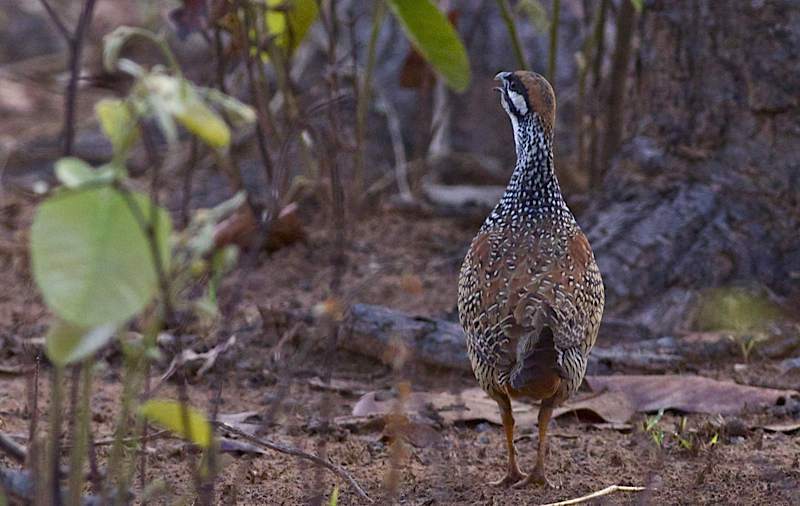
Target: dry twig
point(599, 493)
point(297, 453)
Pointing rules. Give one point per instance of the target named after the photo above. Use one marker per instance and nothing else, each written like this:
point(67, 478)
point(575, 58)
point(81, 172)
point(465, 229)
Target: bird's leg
point(513, 474)
point(537, 475)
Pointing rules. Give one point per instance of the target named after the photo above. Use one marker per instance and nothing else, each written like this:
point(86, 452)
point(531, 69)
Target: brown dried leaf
point(692, 394)
point(240, 227)
point(474, 405)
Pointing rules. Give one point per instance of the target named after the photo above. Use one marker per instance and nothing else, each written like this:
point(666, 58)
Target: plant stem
point(616, 96)
point(55, 436)
point(597, 64)
point(551, 68)
point(512, 33)
point(80, 433)
point(363, 96)
point(74, 41)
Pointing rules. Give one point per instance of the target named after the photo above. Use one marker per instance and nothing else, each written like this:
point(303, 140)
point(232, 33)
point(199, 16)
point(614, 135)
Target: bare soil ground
point(410, 264)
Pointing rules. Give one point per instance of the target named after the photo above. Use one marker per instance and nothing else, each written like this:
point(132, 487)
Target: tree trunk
point(705, 191)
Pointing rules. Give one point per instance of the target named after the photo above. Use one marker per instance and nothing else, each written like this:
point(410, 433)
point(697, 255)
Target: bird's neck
point(533, 190)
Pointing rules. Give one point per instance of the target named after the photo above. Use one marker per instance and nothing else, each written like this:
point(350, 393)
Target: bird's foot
point(537, 477)
point(512, 476)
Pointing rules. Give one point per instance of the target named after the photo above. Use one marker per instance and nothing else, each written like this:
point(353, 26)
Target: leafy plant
point(652, 427)
point(104, 254)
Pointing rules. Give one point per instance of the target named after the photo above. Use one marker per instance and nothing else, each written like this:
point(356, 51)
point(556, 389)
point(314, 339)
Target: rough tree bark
point(705, 190)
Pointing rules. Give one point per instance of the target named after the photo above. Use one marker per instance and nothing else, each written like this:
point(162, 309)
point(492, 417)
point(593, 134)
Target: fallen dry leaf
point(237, 421)
point(208, 359)
point(692, 394)
point(227, 445)
point(474, 405)
point(240, 227)
point(780, 427)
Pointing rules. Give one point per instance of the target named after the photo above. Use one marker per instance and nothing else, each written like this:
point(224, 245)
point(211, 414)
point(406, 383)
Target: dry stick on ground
point(599, 493)
point(297, 453)
point(74, 41)
point(12, 448)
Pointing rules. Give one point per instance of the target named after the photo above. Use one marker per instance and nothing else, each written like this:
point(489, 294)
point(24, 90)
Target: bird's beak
point(502, 76)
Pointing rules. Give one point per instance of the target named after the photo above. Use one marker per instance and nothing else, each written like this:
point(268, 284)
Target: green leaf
point(74, 173)
point(90, 257)
point(334, 497)
point(176, 97)
point(66, 343)
point(112, 46)
point(637, 4)
point(117, 124)
point(239, 112)
point(170, 415)
point(300, 16)
point(435, 38)
point(199, 119)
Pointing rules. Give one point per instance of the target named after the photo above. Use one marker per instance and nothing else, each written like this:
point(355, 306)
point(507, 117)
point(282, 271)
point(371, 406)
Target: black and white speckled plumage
point(530, 295)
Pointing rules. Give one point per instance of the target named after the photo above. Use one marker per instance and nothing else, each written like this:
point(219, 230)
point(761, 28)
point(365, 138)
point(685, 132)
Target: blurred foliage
point(735, 308)
point(290, 24)
point(184, 421)
point(430, 32)
point(103, 254)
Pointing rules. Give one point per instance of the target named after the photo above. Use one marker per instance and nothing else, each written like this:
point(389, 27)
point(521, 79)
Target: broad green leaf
point(300, 15)
point(435, 38)
point(90, 257)
point(117, 124)
point(67, 343)
point(169, 414)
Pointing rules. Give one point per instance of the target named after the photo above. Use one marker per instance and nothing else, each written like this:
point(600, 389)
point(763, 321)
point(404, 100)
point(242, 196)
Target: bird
point(530, 293)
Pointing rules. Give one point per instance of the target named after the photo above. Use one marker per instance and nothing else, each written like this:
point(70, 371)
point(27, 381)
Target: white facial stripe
point(519, 102)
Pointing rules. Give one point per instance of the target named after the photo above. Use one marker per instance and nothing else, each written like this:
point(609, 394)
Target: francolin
point(530, 296)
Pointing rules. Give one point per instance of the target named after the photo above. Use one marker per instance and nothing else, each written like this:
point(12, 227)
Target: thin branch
point(54, 17)
point(512, 32)
point(75, 51)
point(599, 493)
point(396, 136)
point(297, 453)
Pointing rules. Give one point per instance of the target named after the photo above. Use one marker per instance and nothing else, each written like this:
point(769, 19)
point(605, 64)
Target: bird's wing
point(551, 319)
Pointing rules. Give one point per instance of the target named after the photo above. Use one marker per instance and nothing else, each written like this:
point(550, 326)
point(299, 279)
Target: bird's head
point(527, 96)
